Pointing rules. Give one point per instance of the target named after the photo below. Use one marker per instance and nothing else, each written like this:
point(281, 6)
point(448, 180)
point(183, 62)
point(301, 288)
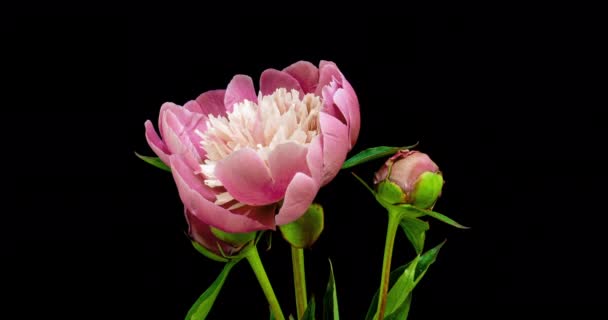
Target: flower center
point(277, 118)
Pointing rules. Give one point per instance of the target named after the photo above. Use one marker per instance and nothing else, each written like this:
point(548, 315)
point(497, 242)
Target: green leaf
point(424, 262)
point(309, 313)
point(330, 300)
point(303, 232)
point(208, 253)
point(372, 154)
point(155, 161)
point(200, 309)
point(364, 184)
point(397, 295)
point(435, 215)
point(415, 230)
point(402, 312)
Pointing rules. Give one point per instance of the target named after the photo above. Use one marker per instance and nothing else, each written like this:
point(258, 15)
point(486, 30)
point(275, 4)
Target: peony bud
point(409, 177)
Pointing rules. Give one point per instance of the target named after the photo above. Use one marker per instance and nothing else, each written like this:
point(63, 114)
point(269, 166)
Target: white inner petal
point(275, 119)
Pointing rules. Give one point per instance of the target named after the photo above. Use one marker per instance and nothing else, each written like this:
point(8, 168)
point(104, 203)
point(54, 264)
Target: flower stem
point(299, 280)
point(393, 224)
point(253, 257)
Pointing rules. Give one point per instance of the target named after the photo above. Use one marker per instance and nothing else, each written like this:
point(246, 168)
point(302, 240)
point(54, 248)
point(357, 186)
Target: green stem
point(253, 257)
point(299, 280)
point(393, 225)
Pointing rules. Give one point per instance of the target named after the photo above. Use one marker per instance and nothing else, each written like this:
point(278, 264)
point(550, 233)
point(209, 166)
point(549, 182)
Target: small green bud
point(303, 232)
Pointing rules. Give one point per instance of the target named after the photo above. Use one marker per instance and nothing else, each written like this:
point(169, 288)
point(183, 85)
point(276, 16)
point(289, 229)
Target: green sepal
point(389, 192)
point(236, 239)
point(155, 161)
point(426, 190)
point(208, 253)
point(303, 232)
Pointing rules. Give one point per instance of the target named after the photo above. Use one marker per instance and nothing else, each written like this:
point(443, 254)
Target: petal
point(335, 145)
point(306, 73)
point(156, 144)
point(300, 194)
point(346, 100)
point(212, 102)
point(189, 186)
point(239, 89)
point(285, 161)
point(329, 106)
point(182, 130)
point(272, 79)
point(247, 178)
point(328, 71)
point(314, 159)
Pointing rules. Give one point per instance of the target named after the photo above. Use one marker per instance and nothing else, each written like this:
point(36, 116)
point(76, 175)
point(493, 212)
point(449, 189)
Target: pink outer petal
point(156, 144)
point(306, 73)
point(179, 127)
point(335, 145)
point(285, 161)
point(247, 178)
point(272, 79)
point(189, 186)
point(239, 89)
point(212, 102)
point(328, 71)
point(346, 100)
point(300, 194)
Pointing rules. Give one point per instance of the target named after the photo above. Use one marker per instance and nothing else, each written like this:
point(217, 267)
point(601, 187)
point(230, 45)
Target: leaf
point(200, 309)
point(303, 232)
point(401, 312)
point(436, 215)
point(415, 230)
point(330, 300)
point(372, 154)
point(364, 184)
point(398, 294)
point(155, 161)
point(309, 313)
point(424, 263)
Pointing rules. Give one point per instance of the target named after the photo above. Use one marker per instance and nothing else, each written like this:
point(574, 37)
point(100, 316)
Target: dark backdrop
point(505, 107)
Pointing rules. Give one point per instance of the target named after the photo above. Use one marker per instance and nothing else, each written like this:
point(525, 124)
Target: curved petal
point(156, 144)
point(335, 145)
point(212, 102)
point(182, 130)
point(314, 159)
point(306, 73)
point(328, 71)
point(300, 194)
point(189, 185)
point(239, 89)
point(272, 79)
point(329, 106)
point(247, 178)
point(285, 161)
point(346, 100)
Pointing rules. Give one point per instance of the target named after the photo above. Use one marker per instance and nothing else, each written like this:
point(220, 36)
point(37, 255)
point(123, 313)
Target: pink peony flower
point(244, 162)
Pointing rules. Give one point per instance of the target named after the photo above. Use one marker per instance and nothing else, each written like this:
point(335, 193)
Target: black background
point(505, 107)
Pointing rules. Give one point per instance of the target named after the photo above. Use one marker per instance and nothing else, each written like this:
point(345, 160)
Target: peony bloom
point(415, 177)
point(244, 162)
